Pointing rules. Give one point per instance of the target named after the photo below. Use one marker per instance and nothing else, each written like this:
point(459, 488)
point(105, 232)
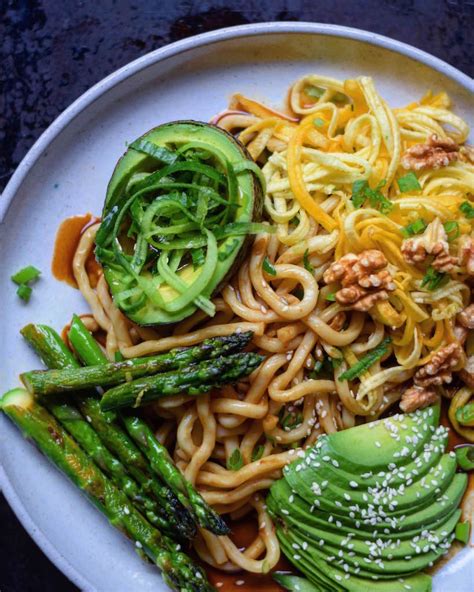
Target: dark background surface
point(51, 51)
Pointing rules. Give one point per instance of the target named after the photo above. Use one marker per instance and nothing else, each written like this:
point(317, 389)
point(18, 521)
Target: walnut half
point(363, 278)
point(433, 242)
point(467, 373)
point(466, 317)
point(439, 369)
point(436, 153)
point(466, 254)
point(417, 397)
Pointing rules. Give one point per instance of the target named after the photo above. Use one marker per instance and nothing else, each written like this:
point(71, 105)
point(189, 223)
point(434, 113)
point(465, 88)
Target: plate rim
point(116, 78)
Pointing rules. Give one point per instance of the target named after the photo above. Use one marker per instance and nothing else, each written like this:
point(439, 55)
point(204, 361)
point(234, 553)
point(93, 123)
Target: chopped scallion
point(318, 122)
point(367, 361)
point(434, 279)
point(465, 456)
point(24, 292)
point(268, 267)
point(409, 182)
point(306, 262)
point(462, 532)
point(467, 209)
point(416, 227)
point(452, 229)
point(258, 453)
point(361, 192)
point(235, 461)
point(26, 275)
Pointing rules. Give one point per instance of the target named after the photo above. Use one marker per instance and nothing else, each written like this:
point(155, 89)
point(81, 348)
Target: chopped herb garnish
point(462, 532)
point(467, 209)
point(24, 292)
point(336, 362)
point(315, 92)
point(361, 192)
point(228, 250)
point(465, 456)
point(318, 122)
point(434, 279)
point(416, 227)
point(465, 414)
point(322, 369)
point(331, 297)
point(268, 267)
point(26, 275)
point(235, 461)
point(198, 257)
point(294, 221)
point(318, 366)
point(306, 263)
point(409, 182)
point(452, 229)
point(291, 420)
point(367, 361)
point(258, 453)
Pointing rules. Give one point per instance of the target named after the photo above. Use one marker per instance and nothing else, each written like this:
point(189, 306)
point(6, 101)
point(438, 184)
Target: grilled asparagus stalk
point(41, 382)
point(195, 379)
point(157, 454)
point(179, 571)
point(100, 433)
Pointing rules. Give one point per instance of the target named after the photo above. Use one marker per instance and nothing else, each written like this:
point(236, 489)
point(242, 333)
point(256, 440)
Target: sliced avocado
point(396, 473)
point(350, 523)
point(374, 446)
point(388, 550)
point(408, 526)
point(321, 570)
point(295, 583)
point(136, 286)
point(393, 500)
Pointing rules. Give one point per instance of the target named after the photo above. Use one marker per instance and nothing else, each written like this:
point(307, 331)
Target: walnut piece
point(467, 373)
point(439, 369)
point(363, 278)
point(337, 323)
point(466, 317)
point(436, 153)
point(417, 397)
point(433, 242)
point(466, 254)
point(466, 153)
point(460, 333)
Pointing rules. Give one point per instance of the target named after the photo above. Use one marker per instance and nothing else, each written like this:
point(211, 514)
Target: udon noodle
point(311, 159)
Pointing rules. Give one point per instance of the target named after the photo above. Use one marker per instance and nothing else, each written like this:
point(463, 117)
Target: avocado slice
point(408, 526)
point(350, 522)
point(188, 150)
point(295, 583)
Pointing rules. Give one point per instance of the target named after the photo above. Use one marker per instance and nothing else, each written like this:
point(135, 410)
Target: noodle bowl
point(310, 160)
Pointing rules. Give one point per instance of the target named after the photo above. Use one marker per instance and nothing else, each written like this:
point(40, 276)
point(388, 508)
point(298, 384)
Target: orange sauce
point(243, 533)
point(67, 239)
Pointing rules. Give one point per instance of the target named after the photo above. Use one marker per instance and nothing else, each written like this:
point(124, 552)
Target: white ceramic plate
point(66, 173)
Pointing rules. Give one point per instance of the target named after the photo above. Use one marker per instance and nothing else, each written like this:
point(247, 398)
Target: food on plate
point(176, 220)
point(23, 278)
point(370, 506)
point(241, 365)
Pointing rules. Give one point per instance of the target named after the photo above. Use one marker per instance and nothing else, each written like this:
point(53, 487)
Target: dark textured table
point(54, 50)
